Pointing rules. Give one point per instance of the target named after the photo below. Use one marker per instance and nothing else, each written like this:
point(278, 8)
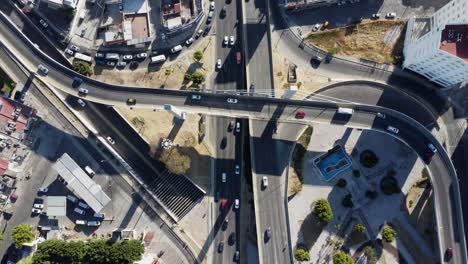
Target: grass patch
point(379, 41)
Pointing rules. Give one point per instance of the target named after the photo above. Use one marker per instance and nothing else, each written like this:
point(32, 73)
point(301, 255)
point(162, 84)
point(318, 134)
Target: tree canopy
point(302, 255)
point(82, 68)
point(323, 211)
point(198, 78)
point(198, 55)
point(388, 234)
point(341, 257)
point(175, 162)
point(22, 234)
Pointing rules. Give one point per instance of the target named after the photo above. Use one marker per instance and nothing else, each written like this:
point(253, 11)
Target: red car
point(223, 203)
point(449, 253)
point(300, 115)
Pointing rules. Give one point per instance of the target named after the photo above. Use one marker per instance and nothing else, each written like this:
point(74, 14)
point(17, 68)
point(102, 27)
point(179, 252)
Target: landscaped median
point(379, 41)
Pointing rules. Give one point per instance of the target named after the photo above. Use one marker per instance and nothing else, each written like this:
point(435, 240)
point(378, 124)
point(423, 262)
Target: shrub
point(22, 234)
point(341, 183)
point(323, 211)
point(302, 255)
point(198, 78)
point(368, 158)
point(348, 201)
point(341, 257)
point(356, 173)
point(388, 234)
point(82, 68)
point(198, 55)
point(389, 185)
point(371, 194)
point(425, 173)
point(187, 77)
point(360, 228)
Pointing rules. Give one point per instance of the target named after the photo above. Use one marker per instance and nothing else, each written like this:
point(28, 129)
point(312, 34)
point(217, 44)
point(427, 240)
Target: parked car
point(121, 64)
point(94, 223)
point(43, 23)
point(223, 177)
point(100, 55)
point(236, 257)
point(110, 140)
point(72, 198)
point(449, 253)
point(43, 69)
point(199, 33)
point(375, 16)
point(218, 64)
point(74, 48)
point(43, 190)
point(210, 17)
point(207, 30)
point(226, 40)
point(36, 211)
point(38, 206)
point(265, 181)
point(316, 27)
point(189, 41)
point(232, 238)
point(325, 25)
point(127, 57)
point(141, 55)
point(110, 63)
point(390, 15)
point(212, 6)
point(79, 211)
point(100, 62)
point(231, 40)
point(69, 52)
point(232, 100)
point(99, 215)
point(83, 205)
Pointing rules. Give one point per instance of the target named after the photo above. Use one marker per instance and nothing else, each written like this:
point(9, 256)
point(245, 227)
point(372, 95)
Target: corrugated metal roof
point(80, 183)
point(56, 205)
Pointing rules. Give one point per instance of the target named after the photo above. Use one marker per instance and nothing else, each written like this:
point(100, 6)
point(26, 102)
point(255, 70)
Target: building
point(437, 46)
point(300, 5)
point(61, 3)
point(14, 117)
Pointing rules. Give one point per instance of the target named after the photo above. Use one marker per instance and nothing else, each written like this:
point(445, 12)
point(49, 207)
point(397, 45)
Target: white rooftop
point(56, 206)
point(80, 183)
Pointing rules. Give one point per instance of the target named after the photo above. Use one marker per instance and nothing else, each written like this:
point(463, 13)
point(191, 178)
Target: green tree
point(198, 55)
point(341, 257)
point(175, 162)
point(22, 234)
point(360, 228)
point(323, 211)
point(98, 251)
point(302, 255)
point(388, 234)
point(82, 67)
point(132, 251)
point(198, 78)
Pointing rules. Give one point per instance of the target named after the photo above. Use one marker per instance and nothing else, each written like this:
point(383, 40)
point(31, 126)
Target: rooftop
point(56, 205)
point(14, 112)
point(454, 40)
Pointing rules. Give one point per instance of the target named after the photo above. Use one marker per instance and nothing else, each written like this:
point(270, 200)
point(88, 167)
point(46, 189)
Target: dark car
point(223, 12)
point(223, 143)
point(207, 30)
point(232, 238)
point(76, 82)
point(231, 126)
point(225, 224)
point(449, 253)
point(100, 62)
point(236, 256)
point(221, 247)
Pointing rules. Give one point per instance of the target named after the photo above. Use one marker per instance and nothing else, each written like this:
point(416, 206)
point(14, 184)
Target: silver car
point(83, 91)
point(127, 57)
point(81, 102)
point(232, 100)
point(231, 40)
point(43, 69)
point(393, 129)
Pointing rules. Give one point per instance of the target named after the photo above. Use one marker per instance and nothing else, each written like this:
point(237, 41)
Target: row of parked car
point(81, 209)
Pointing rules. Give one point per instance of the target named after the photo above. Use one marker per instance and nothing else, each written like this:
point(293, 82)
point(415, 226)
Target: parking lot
point(345, 14)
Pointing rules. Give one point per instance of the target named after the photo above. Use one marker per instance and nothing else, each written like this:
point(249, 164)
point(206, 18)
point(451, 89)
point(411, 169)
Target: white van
point(176, 49)
point(79, 211)
point(80, 222)
point(344, 110)
point(94, 223)
point(72, 198)
point(90, 171)
point(99, 215)
point(223, 177)
point(157, 59)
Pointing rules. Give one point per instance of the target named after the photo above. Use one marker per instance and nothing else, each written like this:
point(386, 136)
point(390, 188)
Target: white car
point(393, 129)
point(43, 23)
point(316, 27)
point(231, 40)
point(232, 100)
point(110, 140)
point(265, 181)
point(199, 33)
point(81, 102)
point(75, 48)
point(432, 148)
point(237, 169)
point(390, 15)
point(212, 6)
point(69, 52)
point(141, 55)
point(121, 64)
point(196, 97)
point(127, 57)
point(43, 69)
point(218, 64)
point(94, 223)
point(43, 190)
point(38, 206)
point(189, 41)
point(381, 115)
point(100, 55)
point(36, 211)
point(83, 91)
point(236, 203)
point(226, 40)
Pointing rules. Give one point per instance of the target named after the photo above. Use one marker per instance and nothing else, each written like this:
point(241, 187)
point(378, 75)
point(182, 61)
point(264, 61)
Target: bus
point(83, 57)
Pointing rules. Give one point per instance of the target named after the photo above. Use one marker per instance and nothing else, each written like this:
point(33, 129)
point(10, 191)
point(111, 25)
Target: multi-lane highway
point(446, 192)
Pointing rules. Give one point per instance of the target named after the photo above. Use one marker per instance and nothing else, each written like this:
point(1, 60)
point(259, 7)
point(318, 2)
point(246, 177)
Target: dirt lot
point(379, 41)
point(169, 76)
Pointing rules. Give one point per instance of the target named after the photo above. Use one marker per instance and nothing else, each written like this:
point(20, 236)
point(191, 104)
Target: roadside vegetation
point(295, 174)
point(82, 67)
point(340, 257)
point(302, 254)
point(379, 41)
point(22, 234)
point(6, 84)
point(92, 251)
